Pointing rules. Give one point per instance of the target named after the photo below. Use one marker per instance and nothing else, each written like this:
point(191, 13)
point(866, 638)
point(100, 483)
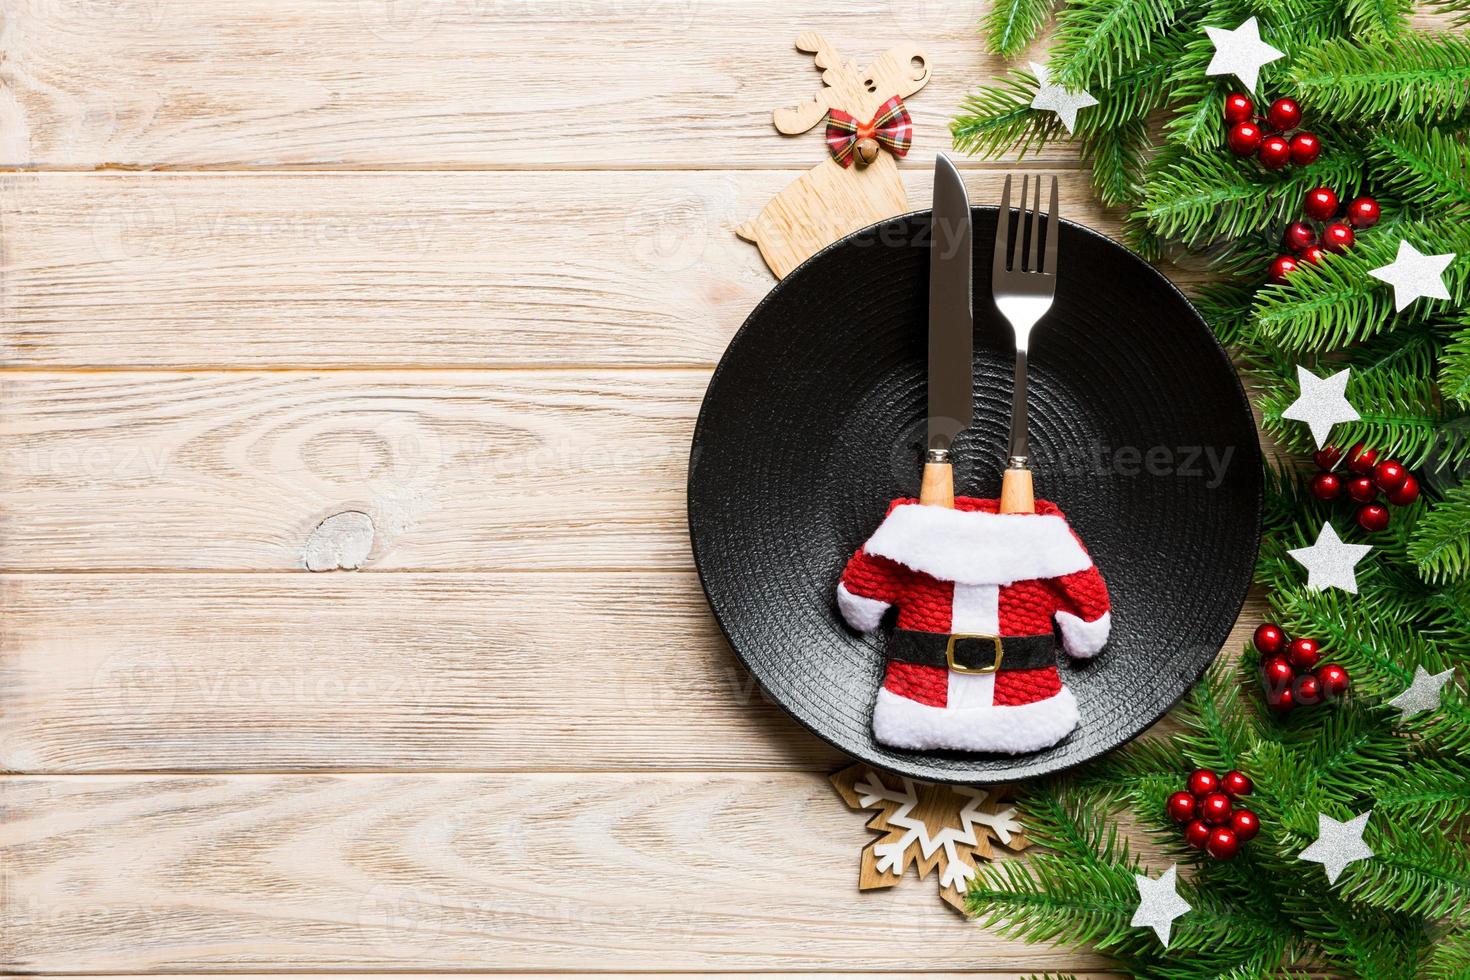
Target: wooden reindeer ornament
point(832, 200)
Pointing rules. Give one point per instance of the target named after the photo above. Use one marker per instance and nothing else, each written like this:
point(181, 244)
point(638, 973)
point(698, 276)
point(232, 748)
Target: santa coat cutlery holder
point(983, 598)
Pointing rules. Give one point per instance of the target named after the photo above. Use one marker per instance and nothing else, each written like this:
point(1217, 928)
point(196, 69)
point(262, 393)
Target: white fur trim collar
point(978, 547)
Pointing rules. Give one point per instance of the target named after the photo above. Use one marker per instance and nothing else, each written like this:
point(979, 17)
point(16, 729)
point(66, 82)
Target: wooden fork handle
point(1016, 495)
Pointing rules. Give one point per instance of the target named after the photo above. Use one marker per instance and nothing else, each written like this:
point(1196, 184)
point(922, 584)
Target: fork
point(1023, 294)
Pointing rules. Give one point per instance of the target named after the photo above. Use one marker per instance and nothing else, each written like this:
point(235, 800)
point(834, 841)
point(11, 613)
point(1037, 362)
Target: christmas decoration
point(1388, 477)
point(1292, 674)
point(1238, 108)
point(1361, 459)
point(1329, 562)
point(1338, 844)
point(1274, 153)
point(1406, 494)
point(1414, 274)
point(1240, 52)
point(1284, 114)
point(972, 661)
point(1207, 810)
point(1423, 693)
point(1322, 403)
point(1373, 517)
point(1364, 212)
point(1305, 149)
point(1159, 903)
point(851, 141)
point(1337, 237)
point(1390, 103)
point(1245, 138)
point(927, 826)
point(1249, 135)
point(1320, 203)
point(1283, 266)
point(1054, 98)
point(857, 183)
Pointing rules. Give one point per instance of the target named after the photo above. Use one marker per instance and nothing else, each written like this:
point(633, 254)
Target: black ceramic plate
point(814, 420)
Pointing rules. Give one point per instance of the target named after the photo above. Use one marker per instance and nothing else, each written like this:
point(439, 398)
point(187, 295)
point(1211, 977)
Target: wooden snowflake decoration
point(928, 826)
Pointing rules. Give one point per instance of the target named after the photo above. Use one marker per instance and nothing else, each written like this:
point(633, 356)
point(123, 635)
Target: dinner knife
point(951, 331)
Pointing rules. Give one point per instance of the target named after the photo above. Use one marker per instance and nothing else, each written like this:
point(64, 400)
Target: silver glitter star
point(1159, 903)
point(1322, 403)
point(1063, 102)
point(1338, 844)
point(1329, 562)
point(1423, 692)
point(1413, 274)
point(1240, 52)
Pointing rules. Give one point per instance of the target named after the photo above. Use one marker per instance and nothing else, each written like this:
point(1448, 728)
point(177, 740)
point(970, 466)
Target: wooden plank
point(466, 672)
point(455, 470)
point(497, 672)
point(369, 269)
point(636, 871)
point(444, 83)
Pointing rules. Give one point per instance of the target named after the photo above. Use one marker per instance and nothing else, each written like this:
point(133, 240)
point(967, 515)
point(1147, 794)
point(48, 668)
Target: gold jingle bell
point(866, 151)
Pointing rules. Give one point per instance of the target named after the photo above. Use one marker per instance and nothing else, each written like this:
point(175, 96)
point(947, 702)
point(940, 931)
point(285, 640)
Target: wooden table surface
point(433, 287)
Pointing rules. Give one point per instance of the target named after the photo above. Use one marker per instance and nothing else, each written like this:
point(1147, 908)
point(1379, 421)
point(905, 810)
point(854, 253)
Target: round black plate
point(814, 420)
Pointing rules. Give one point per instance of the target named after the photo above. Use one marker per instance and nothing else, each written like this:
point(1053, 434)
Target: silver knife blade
point(951, 323)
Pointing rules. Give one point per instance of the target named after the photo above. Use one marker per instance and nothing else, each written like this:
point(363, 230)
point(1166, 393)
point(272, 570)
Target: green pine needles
point(1392, 106)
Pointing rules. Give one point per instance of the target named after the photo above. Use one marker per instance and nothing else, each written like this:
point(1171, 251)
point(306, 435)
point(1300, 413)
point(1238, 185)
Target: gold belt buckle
point(959, 668)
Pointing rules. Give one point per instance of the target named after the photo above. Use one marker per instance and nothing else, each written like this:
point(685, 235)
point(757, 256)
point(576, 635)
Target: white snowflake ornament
point(929, 826)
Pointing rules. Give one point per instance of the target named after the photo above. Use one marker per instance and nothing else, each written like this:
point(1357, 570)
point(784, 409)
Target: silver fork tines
point(1023, 282)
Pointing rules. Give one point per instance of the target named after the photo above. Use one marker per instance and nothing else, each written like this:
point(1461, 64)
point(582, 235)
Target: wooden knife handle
point(1016, 495)
point(937, 490)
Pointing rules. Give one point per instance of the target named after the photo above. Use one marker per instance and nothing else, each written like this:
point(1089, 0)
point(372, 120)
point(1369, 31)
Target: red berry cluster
point(1369, 476)
point(1207, 811)
point(1248, 133)
point(1290, 673)
point(1301, 239)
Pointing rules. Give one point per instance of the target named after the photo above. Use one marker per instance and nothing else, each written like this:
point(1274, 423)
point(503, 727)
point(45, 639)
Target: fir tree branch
point(1200, 198)
point(1460, 8)
point(1336, 302)
point(997, 118)
point(1414, 76)
point(1377, 19)
point(1432, 790)
point(1454, 371)
point(1012, 25)
point(1412, 871)
point(1116, 158)
point(1097, 39)
point(1449, 957)
point(1217, 731)
point(1417, 163)
point(1440, 546)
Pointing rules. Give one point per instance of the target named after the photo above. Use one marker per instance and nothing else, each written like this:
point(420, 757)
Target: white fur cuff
point(862, 614)
point(1081, 638)
point(903, 724)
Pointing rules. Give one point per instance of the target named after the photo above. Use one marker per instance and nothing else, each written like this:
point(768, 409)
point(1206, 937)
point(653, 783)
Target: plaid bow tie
point(891, 126)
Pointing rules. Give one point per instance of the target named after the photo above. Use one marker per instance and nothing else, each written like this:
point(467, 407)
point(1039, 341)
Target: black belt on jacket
point(973, 653)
